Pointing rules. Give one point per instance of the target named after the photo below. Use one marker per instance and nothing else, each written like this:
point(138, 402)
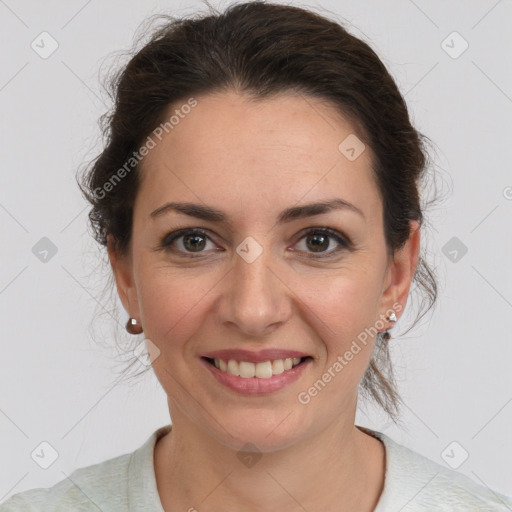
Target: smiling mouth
point(261, 370)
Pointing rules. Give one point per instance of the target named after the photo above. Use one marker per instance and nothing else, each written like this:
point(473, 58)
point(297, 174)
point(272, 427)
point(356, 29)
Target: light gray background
point(59, 384)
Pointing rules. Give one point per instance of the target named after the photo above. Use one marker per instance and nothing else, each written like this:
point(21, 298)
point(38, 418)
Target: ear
point(123, 273)
point(400, 273)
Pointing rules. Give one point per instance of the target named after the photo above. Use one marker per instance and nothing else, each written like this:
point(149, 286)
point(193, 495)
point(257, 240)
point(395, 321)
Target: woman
point(258, 198)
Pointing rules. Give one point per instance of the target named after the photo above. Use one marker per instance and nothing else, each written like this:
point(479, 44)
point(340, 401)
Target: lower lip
point(254, 385)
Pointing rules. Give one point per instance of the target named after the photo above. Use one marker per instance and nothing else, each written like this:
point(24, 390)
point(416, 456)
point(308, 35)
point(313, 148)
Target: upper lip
point(261, 356)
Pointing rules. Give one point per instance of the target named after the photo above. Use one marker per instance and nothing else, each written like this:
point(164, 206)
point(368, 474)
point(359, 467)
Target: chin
point(266, 434)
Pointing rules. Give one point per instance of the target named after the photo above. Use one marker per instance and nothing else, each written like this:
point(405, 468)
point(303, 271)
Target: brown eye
point(320, 240)
point(317, 242)
point(186, 241)
point(190, 242)
point(194, 242)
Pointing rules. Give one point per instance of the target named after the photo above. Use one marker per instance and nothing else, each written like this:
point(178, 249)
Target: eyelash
point(344, 242)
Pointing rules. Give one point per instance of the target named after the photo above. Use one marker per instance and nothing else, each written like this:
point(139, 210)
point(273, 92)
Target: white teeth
point(247, 370)
point(263, 370)
point(277, 366)
point(233, 367)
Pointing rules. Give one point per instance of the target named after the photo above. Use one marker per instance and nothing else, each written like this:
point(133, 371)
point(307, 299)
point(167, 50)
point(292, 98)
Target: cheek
point(175, 305)
point(342, 312)
point(345, 303)
point(331, 307)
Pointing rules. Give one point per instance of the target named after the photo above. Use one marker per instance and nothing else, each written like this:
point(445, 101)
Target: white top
point(413, 483)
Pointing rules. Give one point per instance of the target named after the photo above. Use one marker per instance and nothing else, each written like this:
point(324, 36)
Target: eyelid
point(169, 238)
point(344, 242)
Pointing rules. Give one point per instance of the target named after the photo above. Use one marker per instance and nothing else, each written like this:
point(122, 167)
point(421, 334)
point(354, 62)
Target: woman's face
point(260, 279)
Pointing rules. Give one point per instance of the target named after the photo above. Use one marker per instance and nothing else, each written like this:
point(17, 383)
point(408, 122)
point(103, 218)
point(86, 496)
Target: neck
point(341, 469)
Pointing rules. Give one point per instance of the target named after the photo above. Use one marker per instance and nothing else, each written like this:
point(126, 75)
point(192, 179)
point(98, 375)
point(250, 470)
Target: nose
point(255, 299)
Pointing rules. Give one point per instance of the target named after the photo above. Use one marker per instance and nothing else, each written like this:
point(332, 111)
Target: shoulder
point(414, 483)
point(87, 488)
point(126, 482)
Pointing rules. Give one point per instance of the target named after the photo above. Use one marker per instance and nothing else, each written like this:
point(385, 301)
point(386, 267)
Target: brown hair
point(262, 49)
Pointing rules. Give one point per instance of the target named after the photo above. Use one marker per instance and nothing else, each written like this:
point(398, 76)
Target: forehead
point(264, 155)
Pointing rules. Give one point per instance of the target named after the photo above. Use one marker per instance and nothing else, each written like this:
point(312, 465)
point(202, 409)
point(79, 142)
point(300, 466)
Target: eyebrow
point(209, 213)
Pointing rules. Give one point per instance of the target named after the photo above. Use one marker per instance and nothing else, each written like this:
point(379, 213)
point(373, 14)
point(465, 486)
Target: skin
point(252, 160)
